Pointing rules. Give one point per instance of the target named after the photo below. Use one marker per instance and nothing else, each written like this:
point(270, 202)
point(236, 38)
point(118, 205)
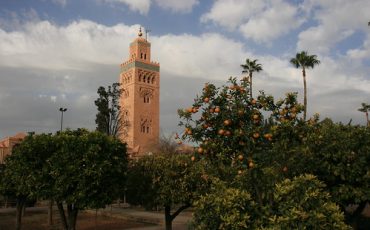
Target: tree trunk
point(50, 212)
point(168, 217)
point(21, 201)
point(250, 85)
point(72, 216)
point(367, 119)
point(62, 215)
point(305, 94)
point(23, 209)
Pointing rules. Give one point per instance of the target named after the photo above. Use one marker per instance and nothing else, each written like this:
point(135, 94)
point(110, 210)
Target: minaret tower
point(140, 80)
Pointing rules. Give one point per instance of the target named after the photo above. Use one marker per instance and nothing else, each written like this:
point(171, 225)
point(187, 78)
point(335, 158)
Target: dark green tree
point(25, 175)
point(110, 119)
point(170, 181)
point(250, 67)
point(87, 170)
point(304, 60)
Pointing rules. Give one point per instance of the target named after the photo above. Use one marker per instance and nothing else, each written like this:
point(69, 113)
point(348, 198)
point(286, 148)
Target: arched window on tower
point(153, 79)
point(148, 80)
point(144, 78)
point(146, 99)
point(145, 56)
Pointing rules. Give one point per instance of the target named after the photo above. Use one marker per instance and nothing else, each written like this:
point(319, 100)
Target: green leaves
point(89, 169)
point(165, 180)
point(109, 119)
point(78, 167)
point(302, 203)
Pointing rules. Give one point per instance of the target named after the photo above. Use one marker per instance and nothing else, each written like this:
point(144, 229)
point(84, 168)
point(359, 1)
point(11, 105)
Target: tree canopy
point(109, 119)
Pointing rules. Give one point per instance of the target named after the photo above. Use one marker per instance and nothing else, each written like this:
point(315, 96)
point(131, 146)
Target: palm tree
point(365, 109)
point(304, 61)
point(249, 67)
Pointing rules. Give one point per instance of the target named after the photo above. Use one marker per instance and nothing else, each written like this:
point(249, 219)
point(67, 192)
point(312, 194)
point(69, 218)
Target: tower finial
point(140, 33)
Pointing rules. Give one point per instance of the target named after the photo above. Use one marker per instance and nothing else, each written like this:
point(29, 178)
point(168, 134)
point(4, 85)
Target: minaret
point(140, 80)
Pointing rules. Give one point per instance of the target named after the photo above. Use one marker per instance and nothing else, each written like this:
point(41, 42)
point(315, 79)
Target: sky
point(56, 53)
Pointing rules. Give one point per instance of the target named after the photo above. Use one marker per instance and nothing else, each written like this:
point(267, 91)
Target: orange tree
point(339, 155)
point(230, 128)
point(87, 170)
point(265, 141)
point(168, 181)
point(25, 176)
point(299, 203)
point(227, 124)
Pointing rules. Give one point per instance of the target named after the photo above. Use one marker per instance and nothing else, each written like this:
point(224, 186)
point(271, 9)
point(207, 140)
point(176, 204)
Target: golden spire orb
point(140, 33)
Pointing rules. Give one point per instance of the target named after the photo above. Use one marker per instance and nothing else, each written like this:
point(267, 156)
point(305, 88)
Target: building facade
point(140, 82)
point(7, 144)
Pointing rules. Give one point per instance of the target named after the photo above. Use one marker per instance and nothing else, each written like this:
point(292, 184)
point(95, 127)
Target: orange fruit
point(256, 135)
point(227, 122)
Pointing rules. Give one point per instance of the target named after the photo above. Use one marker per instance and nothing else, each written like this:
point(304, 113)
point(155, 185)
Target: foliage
point(168, 181)
point(80, 168)
point(300, 203)
point(266, 143)
point(303, 203)
point(231, 125)
point(25, 175)
point(87, 171)
point(109, 119)
point(225, 208)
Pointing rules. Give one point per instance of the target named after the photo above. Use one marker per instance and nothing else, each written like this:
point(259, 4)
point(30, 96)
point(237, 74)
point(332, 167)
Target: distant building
point(7, 144)
point(140, 81)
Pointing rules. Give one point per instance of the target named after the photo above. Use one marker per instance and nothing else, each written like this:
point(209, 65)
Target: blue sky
point(57, 53)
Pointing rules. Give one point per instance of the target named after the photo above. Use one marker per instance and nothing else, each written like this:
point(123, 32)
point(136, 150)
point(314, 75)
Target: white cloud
point(260, 20)
point(71, 61)
point(336, 20)
point(278, 19)
point(141, 6)
point(200, 57)
point(232, 13)
point(177, 5)
point(47, 46)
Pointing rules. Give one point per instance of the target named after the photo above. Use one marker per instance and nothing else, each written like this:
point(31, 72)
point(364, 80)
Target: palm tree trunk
point(250, 84)
point(367, 119)
point(305, 94)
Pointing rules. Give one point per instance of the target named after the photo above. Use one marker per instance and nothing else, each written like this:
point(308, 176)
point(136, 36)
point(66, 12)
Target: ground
point(37, 220)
